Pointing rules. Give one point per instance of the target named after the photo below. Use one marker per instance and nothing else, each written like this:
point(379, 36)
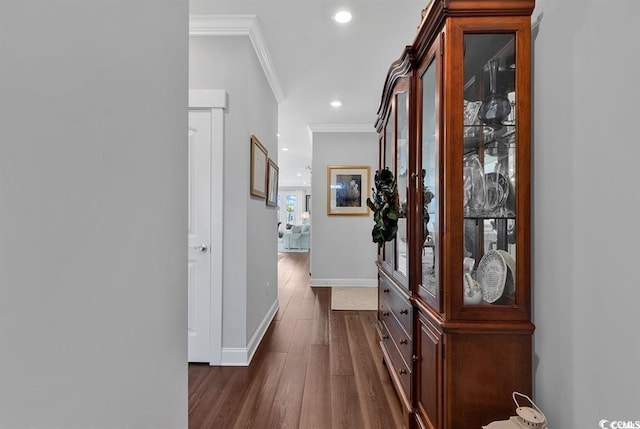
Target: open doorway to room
point(294, 219)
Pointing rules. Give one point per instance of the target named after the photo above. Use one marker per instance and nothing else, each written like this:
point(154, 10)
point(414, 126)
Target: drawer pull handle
point(385, 337)
point(386, 290)
point(403, 341)
point(403, 371)
point(385, 313)
point(404, 311)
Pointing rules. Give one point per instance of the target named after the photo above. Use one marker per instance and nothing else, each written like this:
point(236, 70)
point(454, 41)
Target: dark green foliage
point(384, 205)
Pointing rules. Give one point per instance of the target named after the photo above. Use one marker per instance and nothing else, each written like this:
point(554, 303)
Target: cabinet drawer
point(396, 366)
point(397, 303)
point(381, 329)
point(402, 341)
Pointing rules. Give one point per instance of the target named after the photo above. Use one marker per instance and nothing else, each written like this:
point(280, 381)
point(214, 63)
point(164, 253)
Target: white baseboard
point(344, 282)
point(255, 340)
point(241, 356)
point(234, 356)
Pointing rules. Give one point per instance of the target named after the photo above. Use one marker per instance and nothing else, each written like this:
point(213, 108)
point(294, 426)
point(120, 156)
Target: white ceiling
point(318, 60)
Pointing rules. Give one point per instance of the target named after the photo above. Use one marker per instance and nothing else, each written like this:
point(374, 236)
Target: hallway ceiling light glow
point(336, 103)
point(284, 149)
point(342, 17)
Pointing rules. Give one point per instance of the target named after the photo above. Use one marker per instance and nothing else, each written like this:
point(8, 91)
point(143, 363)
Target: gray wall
point(342, 246)
point(93, 173)
point(262, 240)
point(585, 218)
point(250, 239)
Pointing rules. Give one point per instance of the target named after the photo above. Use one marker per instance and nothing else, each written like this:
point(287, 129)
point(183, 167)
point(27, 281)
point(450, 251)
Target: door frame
point(215, 102)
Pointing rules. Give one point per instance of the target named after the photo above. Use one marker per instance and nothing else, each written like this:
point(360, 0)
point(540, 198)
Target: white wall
point(250, 239)
point(93, 169)
point(585, 214)
point(343, 253)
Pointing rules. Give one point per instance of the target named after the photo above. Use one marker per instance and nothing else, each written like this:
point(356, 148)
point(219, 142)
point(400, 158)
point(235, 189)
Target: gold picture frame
point(347, 188)
point(272, 183)
point(258, 180)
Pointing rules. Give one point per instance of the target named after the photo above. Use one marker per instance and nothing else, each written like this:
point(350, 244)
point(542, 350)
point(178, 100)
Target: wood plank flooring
point(315, 368)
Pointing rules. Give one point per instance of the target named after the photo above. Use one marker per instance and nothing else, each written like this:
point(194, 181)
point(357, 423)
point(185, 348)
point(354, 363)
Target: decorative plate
point(510, 282)
point(492, 275)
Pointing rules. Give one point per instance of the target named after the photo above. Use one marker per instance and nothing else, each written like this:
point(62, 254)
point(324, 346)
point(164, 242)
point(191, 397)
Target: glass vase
point(496, 107)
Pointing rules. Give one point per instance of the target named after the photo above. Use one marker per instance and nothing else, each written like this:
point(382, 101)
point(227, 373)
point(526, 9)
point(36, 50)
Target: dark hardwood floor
point(315, 368)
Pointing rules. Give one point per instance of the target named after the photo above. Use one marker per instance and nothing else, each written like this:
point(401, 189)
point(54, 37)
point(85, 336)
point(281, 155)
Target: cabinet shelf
point(489, 217)
point(492, 142)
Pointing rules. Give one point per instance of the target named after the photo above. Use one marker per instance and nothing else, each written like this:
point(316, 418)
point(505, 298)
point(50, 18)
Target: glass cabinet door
point(389, 162)
point(380, 167)
point(428, 195)
point(489, 169)
point(402, 174)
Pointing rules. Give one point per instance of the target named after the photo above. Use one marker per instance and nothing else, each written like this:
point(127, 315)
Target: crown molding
point(240, 25)
point(341, 128)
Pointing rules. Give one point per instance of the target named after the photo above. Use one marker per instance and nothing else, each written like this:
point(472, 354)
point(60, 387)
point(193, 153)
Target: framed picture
point(272, 183)
point(347, 188)
point(258, 168)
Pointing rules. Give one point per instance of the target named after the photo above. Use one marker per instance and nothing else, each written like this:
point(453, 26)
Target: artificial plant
point(384, 205)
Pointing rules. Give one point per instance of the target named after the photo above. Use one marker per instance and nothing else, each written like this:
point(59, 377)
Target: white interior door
point(199, 227)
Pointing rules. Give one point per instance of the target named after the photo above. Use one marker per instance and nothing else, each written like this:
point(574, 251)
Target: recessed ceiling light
point(278, 135)
point(284, 149)
point(342, 17)
point(336, 103)
point(299, 174)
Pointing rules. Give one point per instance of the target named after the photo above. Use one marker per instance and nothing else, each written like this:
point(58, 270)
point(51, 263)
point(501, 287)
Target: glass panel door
point(380, 167)
point(402, 166)
point(489, 169)
point(429, 282)
point(389, 162)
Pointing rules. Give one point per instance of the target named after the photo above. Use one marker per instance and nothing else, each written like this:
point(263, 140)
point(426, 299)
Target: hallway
point(315, 368)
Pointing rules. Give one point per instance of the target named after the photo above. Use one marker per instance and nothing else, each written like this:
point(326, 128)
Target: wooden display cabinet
point(455, 298)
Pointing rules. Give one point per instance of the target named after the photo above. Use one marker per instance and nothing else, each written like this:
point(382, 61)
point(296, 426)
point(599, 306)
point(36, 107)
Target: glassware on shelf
point(474, 186)
point(498, 189)
point(496, 107)
point(497, 193)
point(472, 292)
point(511, 118)
point(471, 112)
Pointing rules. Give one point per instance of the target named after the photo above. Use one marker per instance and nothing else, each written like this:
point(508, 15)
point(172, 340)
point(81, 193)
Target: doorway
point(205, 220)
